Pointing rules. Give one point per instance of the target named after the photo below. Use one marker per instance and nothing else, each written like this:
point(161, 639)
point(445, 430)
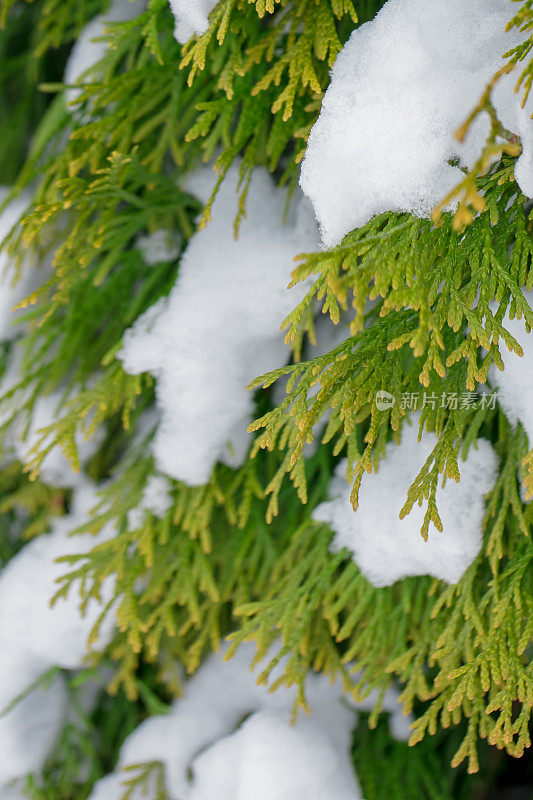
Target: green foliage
point(269, 63)
point(27, 32)
point(388, 768)
point(96, 293)
point(441, 298)
point(440, 327)
point(188, 559)
point(474, 635)
point(241, 555)
point(25, 508)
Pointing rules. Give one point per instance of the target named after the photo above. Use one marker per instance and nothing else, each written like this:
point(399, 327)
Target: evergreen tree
point(194, 505)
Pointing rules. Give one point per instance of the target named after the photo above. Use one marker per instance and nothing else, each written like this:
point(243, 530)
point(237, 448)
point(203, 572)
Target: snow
point(232, 739)
point(87, 50)
point(515, 385)
point(112, 788)
point(386, 548)
point(518, 120)
point(35, 637)
point(220, 326)
point(58, 633)
point(161, 245)
point(268, 759)
point(13, 792)
point(156, 500)
point(28, 730)
point(191, 17)
point(15, 287)
point(400, 88)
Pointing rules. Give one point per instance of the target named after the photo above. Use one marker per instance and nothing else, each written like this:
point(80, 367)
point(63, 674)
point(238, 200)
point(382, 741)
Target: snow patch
point(232, 739)
point(192, 17)
point(36, 637)
point(58, 633)
point(400, 88)
point(387, 548)
point(28, 730)
point(220, 326)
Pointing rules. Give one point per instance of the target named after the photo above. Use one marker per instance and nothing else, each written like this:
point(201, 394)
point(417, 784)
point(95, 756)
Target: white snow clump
point(387, 548)
point(232, 739)
point(400, 88)
point(192, 17)
point(220, 326)
point(36, 637)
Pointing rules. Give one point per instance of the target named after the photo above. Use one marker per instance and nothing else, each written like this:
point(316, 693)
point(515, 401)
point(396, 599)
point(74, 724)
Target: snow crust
point(36, 637)
point(386, 548)
point(401, 86)
point(515, 384)
point(232, 739)
point(192, 17)
point(220, 326)
point(88, 50)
